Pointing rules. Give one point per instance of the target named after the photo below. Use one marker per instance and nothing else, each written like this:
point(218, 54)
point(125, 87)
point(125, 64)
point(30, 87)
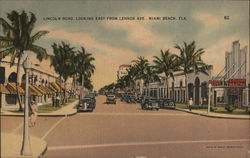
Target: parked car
point(167, 103)
point(86, 104)
point(110, 99)
point(150, 103)
point(131, 98)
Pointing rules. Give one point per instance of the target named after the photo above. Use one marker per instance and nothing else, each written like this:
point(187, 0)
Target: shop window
point(12, 77)
point(2, 75)
point(11, 99)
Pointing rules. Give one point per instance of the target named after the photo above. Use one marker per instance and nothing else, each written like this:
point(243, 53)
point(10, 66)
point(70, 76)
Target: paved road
point(125, 131)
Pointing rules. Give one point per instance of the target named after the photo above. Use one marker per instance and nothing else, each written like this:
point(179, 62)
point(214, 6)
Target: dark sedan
point(111, 99)
point(86, 104)
point(150, 103)
point(167, 103)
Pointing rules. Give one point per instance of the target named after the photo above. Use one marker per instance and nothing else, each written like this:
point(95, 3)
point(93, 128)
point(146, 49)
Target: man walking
point(190, 104)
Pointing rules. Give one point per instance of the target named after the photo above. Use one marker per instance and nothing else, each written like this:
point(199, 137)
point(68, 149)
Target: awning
point(3, 89)
point(55, 86)
point(60, 85)
point(34, 91)
point(48, 91)
point(52, 89)
point(11, 86)
point(39, 89)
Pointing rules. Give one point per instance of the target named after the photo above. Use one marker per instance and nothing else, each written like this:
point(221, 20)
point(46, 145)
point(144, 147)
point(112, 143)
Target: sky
point(213, 25)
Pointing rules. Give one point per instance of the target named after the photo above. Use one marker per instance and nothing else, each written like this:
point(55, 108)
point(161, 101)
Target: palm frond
point(38, 35)
point(6, 26)
point(6, 52)
point(40, 52)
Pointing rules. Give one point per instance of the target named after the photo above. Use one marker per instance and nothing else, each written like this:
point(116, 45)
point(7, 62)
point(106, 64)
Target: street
point(124, 131)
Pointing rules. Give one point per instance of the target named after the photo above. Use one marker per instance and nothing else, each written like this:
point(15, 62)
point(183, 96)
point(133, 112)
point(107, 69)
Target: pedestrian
point(190, 104)
point(33, 114)
point(205, 101)
point(53, 100)
point(57, 100)
point(201, 101)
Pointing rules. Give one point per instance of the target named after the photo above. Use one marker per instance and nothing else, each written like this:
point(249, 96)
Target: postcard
point(124, 79)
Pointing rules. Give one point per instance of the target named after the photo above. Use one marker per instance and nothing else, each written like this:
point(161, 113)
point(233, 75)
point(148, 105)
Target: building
point(176, 88)
point(233, 80)
point(43, 84)
point(122, 70)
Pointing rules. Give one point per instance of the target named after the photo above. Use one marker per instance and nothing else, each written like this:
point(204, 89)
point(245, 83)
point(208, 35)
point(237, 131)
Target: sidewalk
point(11, 145)
point(68, 110)
point(215, 115)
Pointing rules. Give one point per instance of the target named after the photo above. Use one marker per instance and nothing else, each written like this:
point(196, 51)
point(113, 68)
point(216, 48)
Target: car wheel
point(171, 104)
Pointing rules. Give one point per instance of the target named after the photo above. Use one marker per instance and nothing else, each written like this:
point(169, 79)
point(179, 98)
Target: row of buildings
point(230, 86)
point(43, 84)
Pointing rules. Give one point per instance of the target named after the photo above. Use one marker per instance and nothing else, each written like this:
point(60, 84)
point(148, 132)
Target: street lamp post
point(209, 97)
point(26, 148)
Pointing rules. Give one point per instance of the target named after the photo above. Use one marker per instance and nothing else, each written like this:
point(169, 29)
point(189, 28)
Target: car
point(111, 99)
point(150, 104)
point(167, 103)
point(86, 104)
point(131, 98)
point(90, 95)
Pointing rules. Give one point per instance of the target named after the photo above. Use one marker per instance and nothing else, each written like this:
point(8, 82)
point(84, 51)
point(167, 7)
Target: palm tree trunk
point(17, 84)
point(65, 100)
point(167, 88)
point(61, 89)
point(186, 83)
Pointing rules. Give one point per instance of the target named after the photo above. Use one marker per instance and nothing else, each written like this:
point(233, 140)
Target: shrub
point(230, 108)
point(213, 109)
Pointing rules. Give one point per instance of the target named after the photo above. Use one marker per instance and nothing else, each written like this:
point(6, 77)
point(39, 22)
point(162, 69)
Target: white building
point(176, 88)
point(43, 84)
point(122, 70)
point(234, 78)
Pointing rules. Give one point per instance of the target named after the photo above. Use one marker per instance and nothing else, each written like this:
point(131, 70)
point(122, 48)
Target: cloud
point(215, 54)
point(108, 58)
point(139, 32)
point(209, 22)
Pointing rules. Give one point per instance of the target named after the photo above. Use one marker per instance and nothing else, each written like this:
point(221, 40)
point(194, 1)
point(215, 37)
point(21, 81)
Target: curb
point(211, 116)
point(44, 151)
point(42, 115)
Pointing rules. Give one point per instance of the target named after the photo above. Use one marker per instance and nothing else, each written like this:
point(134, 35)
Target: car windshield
point(151, 99)
point(85, 100)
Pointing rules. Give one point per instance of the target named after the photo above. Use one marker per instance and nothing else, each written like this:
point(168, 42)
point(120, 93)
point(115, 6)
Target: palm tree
point(84, 66)
point(63, 62)
point(130, 78)
point(141, 70)
point(88, 84)
point(151, 75)
point(190, 61)
point(17, 39)
point(167, 64)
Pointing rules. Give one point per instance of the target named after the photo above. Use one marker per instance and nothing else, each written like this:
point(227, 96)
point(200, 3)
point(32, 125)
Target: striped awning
point(11, 86)
point(34, 90)
point(39, 89)
point(52, 89)
point(3, 89)
point(60, 85)
point(55, 86)
point(45, 89)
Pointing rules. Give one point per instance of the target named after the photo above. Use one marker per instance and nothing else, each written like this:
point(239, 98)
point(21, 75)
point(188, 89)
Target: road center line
point(143, 143)
point(53, 127)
